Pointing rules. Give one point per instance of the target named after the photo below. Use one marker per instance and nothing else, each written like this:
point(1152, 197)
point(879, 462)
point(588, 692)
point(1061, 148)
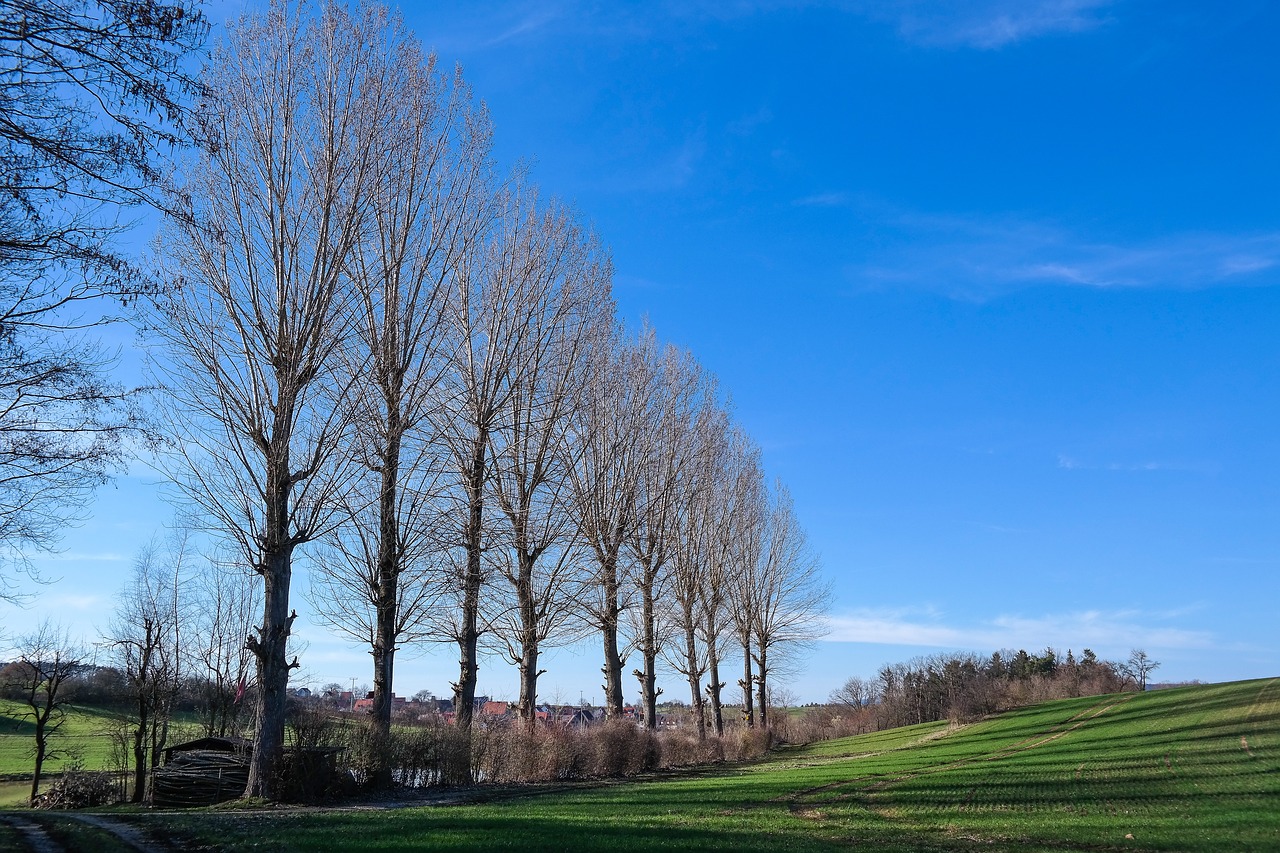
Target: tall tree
point(430, 201)
point(93, 96)
point(564, 282)
point(790, 595)
point(741, 542)
point(612, 433)
point(679, 385)
point(298, 103)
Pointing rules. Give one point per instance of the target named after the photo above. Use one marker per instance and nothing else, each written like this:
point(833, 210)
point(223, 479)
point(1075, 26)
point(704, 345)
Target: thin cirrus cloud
point(1108, 632)
point(984, 24)
point(980, 257)
point(1072, 463)
point(977, 24)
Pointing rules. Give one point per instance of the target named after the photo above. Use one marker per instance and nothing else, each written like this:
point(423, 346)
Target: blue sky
point(996, 290)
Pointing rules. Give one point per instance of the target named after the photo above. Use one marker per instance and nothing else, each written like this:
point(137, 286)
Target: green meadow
point(1188, 769)
point(84, 734)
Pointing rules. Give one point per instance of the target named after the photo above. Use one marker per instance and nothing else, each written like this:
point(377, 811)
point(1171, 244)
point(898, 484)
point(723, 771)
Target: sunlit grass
point(1189, 769)
point(84, 733)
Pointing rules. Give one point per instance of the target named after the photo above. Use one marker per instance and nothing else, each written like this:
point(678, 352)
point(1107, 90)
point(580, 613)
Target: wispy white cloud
point(746, 125)
point(1071, 463)
point(669, 170)
point(977, 257)
point(828, 199)
point(1108, 632)
point(527, 24)
point(984, 24)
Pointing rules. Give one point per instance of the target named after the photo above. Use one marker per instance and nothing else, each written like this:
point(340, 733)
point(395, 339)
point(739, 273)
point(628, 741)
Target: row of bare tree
point(378, 347)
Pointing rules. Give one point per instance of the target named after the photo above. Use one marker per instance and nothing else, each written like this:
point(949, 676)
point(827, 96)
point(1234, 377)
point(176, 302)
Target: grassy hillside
point(85, 733)
point(1189, 769)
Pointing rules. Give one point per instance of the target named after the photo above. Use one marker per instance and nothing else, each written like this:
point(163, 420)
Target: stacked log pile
point(200, 777)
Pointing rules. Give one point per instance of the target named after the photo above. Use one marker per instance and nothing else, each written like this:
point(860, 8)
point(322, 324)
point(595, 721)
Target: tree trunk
point(269, 649)
point(387, 608)
point(748, 709)
point(41, 744)
point(140, 755)
point(464, 694)
point(649, 651)
point(383, 670)
point(529, 673)
point(762, 689)
point(714, 687)
point(695, 680)
point(609, 628)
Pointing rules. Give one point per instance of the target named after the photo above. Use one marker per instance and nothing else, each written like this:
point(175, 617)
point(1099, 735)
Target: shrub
point(78, 788)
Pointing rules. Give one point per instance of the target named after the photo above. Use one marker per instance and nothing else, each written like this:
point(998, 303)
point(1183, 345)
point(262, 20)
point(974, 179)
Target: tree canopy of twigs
point(94, 98)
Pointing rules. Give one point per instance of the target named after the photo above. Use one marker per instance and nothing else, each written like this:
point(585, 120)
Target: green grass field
point(1195, 768)
point(84, 733)
point(1191, 769)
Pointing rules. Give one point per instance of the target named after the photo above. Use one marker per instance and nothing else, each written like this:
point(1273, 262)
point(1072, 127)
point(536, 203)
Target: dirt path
point(36, 835)
point(129, 834)
point(33, 834)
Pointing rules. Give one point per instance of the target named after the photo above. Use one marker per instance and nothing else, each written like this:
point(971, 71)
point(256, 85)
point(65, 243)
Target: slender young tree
point(44, 662)
point(224, 594)
point(148, 636)
point(255, 315)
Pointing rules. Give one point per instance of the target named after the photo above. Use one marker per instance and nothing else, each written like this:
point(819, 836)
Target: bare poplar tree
point(377, 580)
point(297, 105)
point(790, 594)
point(493, 318)
point(742, 541)
point(694, 592)
point(612, 434)
point(732, 541)
point(565, 286)
point(689, 558)
point(678, 386)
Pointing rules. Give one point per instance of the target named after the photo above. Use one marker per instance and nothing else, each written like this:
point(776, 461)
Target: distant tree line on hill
point(964, 686)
